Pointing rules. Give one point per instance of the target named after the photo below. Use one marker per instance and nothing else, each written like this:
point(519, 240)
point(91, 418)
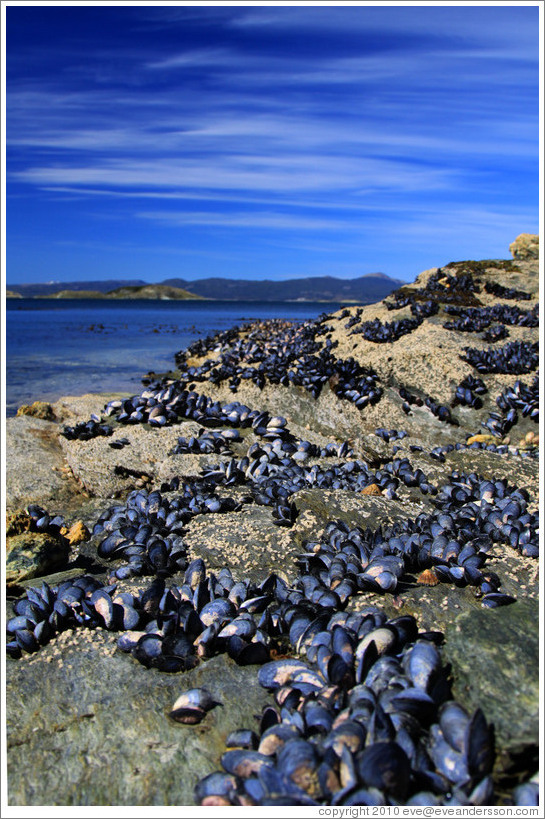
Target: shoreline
point(116, 343)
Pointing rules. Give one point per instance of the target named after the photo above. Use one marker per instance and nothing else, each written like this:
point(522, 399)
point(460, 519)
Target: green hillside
point(151, 291)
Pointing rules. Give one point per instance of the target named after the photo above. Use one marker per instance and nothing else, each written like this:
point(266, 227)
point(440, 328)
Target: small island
point(152, 291)
point(147, 291)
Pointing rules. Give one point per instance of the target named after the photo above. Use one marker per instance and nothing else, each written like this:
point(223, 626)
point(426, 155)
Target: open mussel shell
point(191, 707)
point(188, 715)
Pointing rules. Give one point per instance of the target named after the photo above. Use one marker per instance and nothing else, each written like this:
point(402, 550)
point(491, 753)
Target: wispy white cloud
point(249, 219)
point(204, 57)
point(468, 224)
point(460, 26)
point(287, 174)
point(241, 197)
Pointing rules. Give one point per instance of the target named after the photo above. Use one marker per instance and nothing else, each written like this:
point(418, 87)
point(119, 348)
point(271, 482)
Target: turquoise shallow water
point(71, 347)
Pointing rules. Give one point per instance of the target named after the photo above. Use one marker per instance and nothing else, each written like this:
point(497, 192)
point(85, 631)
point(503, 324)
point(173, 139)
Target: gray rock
point(89, 725)
point(107, 472)
point(35, 473)
point(495, 654)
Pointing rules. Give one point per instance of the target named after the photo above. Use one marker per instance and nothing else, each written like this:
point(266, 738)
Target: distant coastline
point(363, 290)
point(102, 297)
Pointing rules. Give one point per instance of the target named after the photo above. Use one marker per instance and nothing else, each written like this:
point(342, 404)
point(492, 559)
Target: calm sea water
point(71, 347)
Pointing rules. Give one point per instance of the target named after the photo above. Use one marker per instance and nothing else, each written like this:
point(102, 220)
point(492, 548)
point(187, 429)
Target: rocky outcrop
point(525, 246)
point(39, 409)
point(81, 692)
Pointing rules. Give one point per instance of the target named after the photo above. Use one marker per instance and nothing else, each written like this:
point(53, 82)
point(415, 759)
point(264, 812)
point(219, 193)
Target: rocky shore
point(373, 471)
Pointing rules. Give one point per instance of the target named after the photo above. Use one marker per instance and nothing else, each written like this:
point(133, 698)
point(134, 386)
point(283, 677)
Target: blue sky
point(265, 141)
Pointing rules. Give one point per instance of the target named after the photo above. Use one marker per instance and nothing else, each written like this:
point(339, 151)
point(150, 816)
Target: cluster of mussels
point(43, 522)
point(147, 530)
point(476, 319)
point(474, 513)
point(502, 292)
point(440, 411)
point(497, 332)
point(440, 287)
point(368, 720)
point(468, 392)
point(86, 430)
point(444, 284)
point(278, 352)
point(390, 331)
point(469, 318)
point(521, 397)
point(364, 714)
point(391, 434)
point(517, 357)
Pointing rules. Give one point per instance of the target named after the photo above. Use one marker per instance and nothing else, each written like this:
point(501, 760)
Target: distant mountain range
point(364, 290)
